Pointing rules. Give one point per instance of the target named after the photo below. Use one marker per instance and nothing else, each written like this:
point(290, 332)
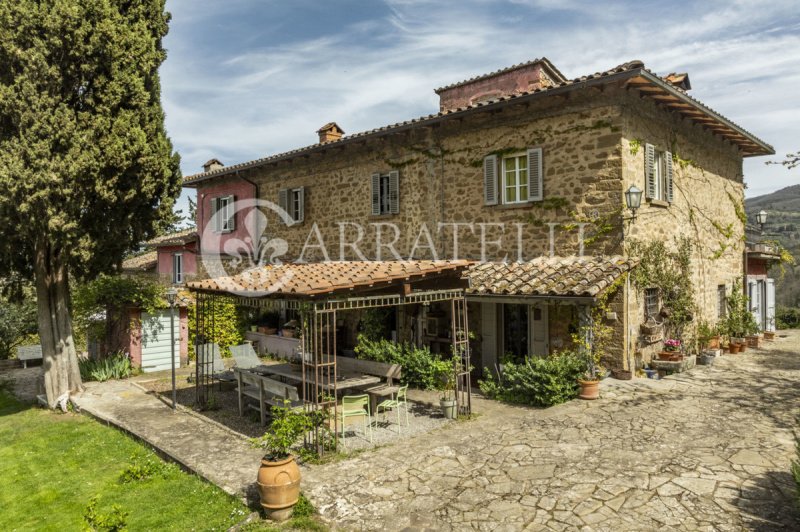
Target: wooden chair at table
point(399, 401)
point(356, 406)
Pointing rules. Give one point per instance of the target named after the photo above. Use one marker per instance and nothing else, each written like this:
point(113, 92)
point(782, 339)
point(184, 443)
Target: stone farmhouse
point(524, 172)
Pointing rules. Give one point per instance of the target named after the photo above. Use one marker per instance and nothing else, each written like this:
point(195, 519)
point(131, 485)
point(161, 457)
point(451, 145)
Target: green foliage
point(665, 269)
point(303, 508)
point(115, 366)
point(542, 382)
point(373, 324)
point(787, 318)
point(116, 292)
point(228, 328)
point(113, 521)
point(86, 166)
point(421, 368)
point(636, 145)
point(283, 432)
point(144, 466)
point(17, 323)
point(739, 321)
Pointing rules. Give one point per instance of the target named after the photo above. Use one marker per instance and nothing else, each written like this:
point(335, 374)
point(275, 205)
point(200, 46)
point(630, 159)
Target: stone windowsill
point(658, 203)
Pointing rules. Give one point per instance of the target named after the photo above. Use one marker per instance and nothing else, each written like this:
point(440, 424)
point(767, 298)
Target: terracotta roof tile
point(143, 262)
point(548, 276)
point(632, 66)
point(322, 278)
point(179, 237)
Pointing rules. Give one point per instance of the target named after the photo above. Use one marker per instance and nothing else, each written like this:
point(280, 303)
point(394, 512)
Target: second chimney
point(330, 132)
point(213, 164)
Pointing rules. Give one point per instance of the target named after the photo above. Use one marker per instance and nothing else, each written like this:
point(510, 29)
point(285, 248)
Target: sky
point(245, 79)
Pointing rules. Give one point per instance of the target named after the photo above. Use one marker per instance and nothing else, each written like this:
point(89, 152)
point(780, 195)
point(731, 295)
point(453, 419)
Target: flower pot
point(705, 360)
point(734, 349)
point(288, 333)
point(279, 487)
point(664, 355)
point(589, 389)
point(742, 347)
point(621, 374)
point(752, 340)
point(651, 373)
point(769, 335)
point(713, 342)
point(254, 328)
point(448, 408)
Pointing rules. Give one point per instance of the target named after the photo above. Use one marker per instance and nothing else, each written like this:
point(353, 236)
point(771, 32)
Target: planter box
point(752, 341)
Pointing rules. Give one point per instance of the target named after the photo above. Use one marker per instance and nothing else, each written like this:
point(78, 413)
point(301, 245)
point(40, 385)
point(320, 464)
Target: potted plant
point(446, 374)
point(672, 350)
point(279, 477)
point(289, 329)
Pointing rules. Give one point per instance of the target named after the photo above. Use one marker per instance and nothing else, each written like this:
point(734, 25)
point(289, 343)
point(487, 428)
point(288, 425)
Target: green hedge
point(421, 368)
point(543, 381)
point(228, 327)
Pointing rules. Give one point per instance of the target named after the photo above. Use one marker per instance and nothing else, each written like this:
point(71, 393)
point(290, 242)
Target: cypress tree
point(86, 168)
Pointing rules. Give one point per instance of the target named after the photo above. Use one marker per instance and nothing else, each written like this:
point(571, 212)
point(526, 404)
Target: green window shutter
point(649, 170)
point(535, 178)
point(376, 194)
point(283, 200)
point(668, 169)
point(215, 219)
point(394, 192)
point(490, 180)
point(231, 213)
point(301, 204)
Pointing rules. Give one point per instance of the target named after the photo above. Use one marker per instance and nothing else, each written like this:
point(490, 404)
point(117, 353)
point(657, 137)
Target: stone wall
point(708, 193)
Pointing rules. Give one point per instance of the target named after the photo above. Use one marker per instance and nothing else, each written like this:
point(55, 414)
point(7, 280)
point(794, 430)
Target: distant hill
point(783, 225)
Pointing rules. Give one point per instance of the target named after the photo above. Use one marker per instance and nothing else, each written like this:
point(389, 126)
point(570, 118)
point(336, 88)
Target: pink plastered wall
point(214, 242)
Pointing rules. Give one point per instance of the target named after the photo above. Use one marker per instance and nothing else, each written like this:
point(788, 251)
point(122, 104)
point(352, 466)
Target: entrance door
point(156, 350)
point(540, 342)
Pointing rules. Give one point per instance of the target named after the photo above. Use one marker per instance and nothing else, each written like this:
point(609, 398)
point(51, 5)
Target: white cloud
point(743, 58)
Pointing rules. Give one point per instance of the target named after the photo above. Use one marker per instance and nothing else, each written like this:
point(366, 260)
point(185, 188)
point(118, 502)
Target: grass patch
point(53, 465)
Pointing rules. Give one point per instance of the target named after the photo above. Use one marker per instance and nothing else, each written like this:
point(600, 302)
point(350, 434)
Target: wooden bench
point(266, 391)
point(390, 372)
point(29, 352)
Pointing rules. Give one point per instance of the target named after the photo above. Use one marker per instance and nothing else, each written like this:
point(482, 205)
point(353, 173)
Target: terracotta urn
point(279, 487)
point(590, 390)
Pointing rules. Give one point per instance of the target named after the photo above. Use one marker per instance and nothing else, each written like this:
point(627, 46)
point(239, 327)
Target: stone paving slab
point(215, 453)
point(704, 450)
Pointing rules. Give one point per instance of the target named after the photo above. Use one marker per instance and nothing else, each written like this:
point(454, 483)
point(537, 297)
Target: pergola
point(320, 290)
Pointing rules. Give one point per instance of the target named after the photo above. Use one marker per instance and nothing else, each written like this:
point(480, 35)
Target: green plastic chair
point(356, 406)
point(401, 400)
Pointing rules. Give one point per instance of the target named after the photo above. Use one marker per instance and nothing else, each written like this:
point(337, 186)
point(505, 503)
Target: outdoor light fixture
point(172, 295)
point(633, 200)
point(761, 218)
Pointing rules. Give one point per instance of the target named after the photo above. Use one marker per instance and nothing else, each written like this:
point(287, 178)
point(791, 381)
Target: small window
point(177, 268)
point(515, 179)
point(651, 303)
point(386, 193)
point(224, 218)
point(292, 200)
point(722, 301)
point(658, 174)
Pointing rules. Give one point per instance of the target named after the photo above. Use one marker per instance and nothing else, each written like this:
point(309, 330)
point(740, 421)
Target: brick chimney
point(679, 80)
point(330, 132)
point(213, 164)
point(525, 77)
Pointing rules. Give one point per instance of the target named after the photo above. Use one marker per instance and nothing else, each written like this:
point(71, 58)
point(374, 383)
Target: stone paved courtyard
point(707, 450)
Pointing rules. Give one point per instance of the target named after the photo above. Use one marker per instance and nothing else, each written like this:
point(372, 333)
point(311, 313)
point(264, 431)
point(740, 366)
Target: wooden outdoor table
point(294, 373)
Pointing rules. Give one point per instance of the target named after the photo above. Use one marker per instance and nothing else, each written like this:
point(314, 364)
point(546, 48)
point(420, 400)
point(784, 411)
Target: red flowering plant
point(672, 344)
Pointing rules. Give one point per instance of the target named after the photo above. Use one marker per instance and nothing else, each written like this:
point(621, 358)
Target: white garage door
point(156, 353)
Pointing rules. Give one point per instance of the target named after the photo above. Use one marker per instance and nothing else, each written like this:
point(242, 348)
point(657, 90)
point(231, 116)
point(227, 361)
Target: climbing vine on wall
point(667, 270)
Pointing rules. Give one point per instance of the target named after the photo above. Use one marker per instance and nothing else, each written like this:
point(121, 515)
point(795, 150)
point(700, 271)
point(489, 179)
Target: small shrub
point(286, 428)
point(114, 521)
point(303, 508)
point(536, 382)
point(144, 467)
point(116, 366)
point(787, 318)
point(421, 368)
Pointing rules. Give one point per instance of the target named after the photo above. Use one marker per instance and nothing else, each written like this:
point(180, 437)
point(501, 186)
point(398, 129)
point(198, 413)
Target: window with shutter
point(385, 191)
point(177, 268)
point(516, 178)
point(301, 204)
point(292, 200)
point(536, 181)
point(230, 214)
point(658, 171)
point(214, 218)
point(222, 214)
point(490, 180)
point(283, 200)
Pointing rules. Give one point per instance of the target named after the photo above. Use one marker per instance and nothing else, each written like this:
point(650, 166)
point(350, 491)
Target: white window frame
point(517, 187)
point(659, 175)
point(177, 268)
point(222, 214)
point(295, 206)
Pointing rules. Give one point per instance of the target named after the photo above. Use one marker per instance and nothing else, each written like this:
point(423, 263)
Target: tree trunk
point(61, 373)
